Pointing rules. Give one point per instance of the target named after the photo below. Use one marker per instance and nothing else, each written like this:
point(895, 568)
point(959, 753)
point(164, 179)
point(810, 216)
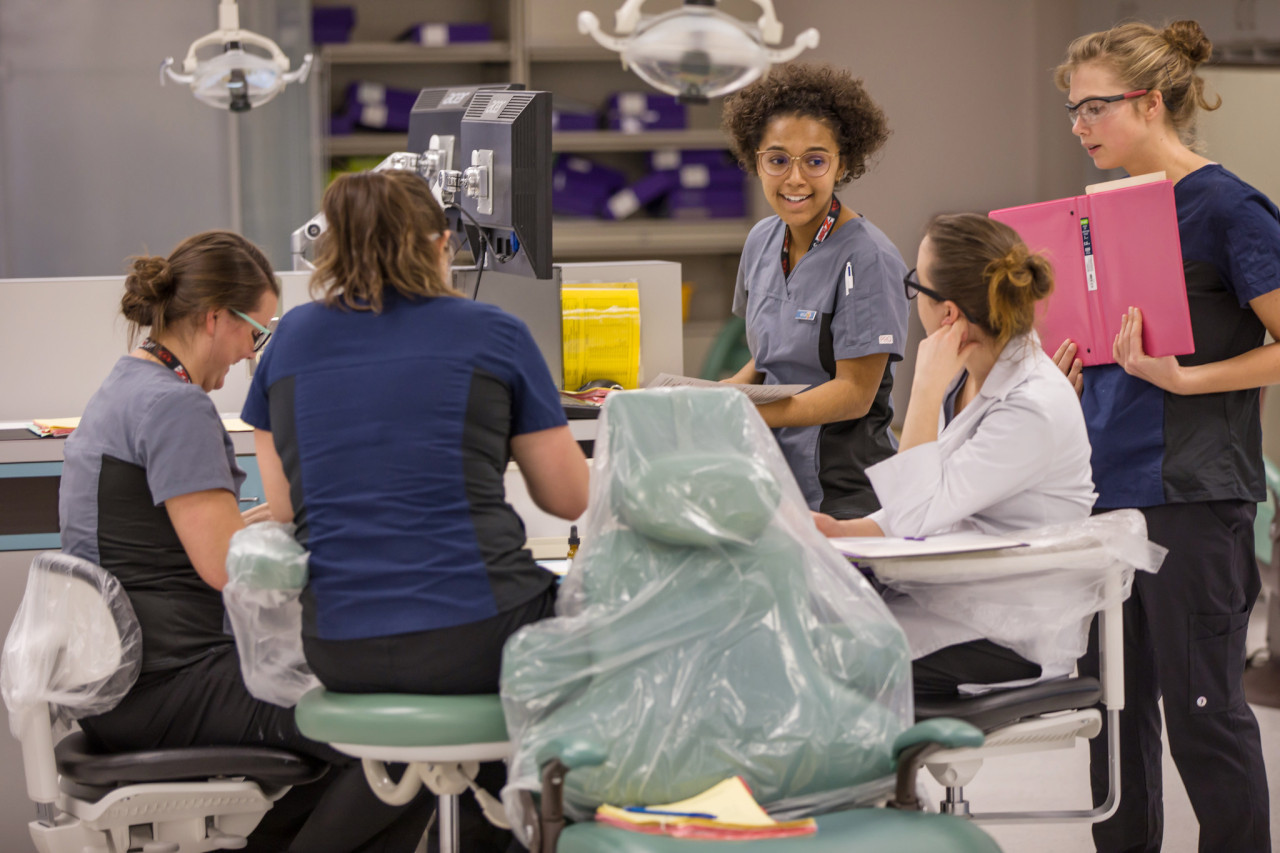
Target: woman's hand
point(941, 356)
point(261, 512)
point(1070, 366)
point(827, 525)
point(1127, 350)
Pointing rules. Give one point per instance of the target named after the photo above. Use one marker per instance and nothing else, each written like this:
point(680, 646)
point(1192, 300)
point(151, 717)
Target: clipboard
point(1110, 249)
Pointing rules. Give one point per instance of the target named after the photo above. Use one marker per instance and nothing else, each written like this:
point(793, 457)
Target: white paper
point(882, 547)
point(758, 394)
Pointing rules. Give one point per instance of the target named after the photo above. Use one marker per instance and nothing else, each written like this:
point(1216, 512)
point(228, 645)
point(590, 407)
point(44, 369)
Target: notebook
point(1110, 249)
point(725, 811)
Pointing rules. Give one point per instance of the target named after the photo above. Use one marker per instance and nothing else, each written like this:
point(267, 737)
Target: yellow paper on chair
point(724, 811)
point(601, 334)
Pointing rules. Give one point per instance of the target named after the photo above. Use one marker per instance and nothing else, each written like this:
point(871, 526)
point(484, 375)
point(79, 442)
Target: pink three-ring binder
point(1109, 250)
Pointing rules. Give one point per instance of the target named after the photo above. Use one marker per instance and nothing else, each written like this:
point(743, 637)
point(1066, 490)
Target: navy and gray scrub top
point(844, 299)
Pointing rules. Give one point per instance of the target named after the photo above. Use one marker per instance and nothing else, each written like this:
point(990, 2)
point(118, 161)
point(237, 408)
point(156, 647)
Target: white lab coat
point(1016, 458)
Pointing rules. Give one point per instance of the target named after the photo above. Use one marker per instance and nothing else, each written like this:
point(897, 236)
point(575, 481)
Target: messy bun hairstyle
point(984, 267)
point(830, 95)
point(207, 272)
point(1157, 60)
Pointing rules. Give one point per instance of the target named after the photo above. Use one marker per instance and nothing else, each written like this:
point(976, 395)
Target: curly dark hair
point(830, 95)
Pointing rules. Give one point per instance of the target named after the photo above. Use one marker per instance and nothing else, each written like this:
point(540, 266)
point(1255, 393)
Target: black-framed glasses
point(1092, 110)
point(261, 334)
point(911, 283)
point(775, 164)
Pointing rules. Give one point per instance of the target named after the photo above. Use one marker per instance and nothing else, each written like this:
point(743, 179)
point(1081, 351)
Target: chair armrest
point(556, 759)
point(917, 743)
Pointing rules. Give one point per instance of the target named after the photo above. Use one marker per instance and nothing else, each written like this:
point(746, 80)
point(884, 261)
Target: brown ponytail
point(985, 268)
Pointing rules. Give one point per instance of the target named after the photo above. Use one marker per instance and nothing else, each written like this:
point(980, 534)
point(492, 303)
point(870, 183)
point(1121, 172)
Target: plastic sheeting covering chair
point(706, 630)
point(74, 650)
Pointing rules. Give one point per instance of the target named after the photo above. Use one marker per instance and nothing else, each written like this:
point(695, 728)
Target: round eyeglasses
point(1089, 111)
point(775, 164)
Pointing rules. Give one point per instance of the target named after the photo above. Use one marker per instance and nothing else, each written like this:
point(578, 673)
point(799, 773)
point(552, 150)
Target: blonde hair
point(206, 272)
point(1157, 60)
point(383, 233)
point(984, 268)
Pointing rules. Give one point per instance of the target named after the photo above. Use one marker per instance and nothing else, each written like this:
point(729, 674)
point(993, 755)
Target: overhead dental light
point(696, 52)
point(235, 79)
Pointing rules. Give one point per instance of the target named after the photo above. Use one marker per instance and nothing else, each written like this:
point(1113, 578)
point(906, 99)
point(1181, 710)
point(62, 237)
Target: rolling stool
point(443, 739)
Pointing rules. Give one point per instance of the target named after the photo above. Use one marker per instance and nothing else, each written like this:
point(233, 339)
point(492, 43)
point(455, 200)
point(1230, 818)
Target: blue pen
point(665, 813)
point(914, 538)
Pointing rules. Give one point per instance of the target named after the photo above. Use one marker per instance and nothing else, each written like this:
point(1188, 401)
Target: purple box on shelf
point(580, 187)
point(378, 107)
point(434, 34)
point(638, 103)
point(332, 24)
point(696, 176)
point(652, 188)
point(635, 112)
point(342, 124)
point(674, 158)
point(562, 120)
point(707, 204)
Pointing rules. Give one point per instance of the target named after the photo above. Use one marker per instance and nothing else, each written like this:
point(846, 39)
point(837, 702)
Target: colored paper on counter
point(601, 332)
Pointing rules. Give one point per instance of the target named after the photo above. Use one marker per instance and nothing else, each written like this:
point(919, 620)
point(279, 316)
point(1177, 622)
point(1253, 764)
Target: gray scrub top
point(844, 299)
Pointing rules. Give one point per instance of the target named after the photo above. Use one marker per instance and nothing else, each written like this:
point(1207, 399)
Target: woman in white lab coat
point(993, 440)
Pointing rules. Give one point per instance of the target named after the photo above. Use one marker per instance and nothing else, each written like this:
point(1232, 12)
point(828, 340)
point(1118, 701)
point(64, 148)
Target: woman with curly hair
point(820, 287)
point(1181, 440)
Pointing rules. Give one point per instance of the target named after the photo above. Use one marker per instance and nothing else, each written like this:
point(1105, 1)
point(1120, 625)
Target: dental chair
point(707, 630)
point(74, 650)
point(1047, 591)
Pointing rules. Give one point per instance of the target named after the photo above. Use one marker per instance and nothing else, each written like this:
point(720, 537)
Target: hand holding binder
point(1110, 250)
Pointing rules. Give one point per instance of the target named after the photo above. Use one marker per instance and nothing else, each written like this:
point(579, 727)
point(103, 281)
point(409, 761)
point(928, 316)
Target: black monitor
point(508, 133)
point(438, 112)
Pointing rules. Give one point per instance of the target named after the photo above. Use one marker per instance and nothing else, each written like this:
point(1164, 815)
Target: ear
point(1151, 103)
point(210, 322)
point(951, 313)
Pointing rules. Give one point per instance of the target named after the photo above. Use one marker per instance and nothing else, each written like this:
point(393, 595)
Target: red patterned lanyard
point(166, 358)
point(827, 224)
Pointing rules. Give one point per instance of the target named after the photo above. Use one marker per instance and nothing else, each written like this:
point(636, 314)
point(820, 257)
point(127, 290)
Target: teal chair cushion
point(393, 719)
point(856, 831)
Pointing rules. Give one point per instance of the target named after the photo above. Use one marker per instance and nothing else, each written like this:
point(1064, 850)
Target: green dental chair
point(707, 630)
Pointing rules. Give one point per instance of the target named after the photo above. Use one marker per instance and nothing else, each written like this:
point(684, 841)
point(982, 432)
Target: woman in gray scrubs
point(820, 287)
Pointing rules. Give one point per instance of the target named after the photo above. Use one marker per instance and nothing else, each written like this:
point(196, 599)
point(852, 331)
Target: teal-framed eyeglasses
point(261, 333)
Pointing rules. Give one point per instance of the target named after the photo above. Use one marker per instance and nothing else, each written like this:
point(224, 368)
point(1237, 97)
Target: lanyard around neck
point(823, 231)
point(167, 358)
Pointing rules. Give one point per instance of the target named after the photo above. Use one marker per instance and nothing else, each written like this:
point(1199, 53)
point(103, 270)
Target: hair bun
point(1190, 40)
point(150, 279)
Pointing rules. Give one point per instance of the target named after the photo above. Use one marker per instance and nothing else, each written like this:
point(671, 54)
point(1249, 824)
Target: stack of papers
point(887, 547)
point(726, 811)
point(758, 394)
point(54, 426)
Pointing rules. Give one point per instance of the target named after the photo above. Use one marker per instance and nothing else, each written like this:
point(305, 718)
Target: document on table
point(885, 547)
point(758, 394)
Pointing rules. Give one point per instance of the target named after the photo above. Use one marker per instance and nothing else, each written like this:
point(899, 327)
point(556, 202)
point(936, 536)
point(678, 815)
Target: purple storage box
point(440, 34)
point(342, 124)
point(580, 187)
point(635, 112)
point(332, 24)
point(562, 120)
point(674, 158)
point(707, 204)
point(696, 176)
point(652, 188)
point(378, 107)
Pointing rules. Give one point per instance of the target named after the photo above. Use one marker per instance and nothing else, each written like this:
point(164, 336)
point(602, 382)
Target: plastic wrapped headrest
point(699, 498)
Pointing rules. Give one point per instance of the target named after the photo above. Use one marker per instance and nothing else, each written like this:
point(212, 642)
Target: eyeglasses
point(911, 283)
point(261, 333)
point(1089, 111)
point(775, 164)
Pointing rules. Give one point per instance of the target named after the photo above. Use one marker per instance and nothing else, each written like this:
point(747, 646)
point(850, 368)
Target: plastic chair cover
point(706, 629)
point(266, 571)
point(74, 644)
point(1037, 600)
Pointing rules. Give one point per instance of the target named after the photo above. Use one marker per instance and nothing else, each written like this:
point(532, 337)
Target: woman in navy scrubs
point(820, 287)
point(1181, 439)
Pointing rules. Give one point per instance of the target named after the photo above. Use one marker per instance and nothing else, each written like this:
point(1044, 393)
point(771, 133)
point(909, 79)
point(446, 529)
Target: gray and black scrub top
point(844, 299)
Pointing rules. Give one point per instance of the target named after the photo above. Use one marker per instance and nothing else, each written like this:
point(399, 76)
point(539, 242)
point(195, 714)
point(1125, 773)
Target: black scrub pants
point(458, 661)
point(206, 704)
point(1184, 639)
